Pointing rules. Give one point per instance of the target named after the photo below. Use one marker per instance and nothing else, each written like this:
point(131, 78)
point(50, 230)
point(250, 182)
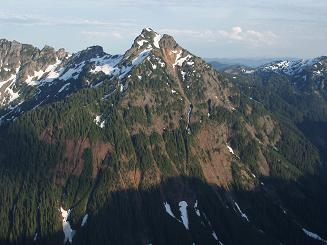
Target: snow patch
point(32, 80)
point(73, 73)
point(13, 77)
point(230, 149)
point(12, 95)
point(180, 60)
point(98, 121)
point(240, 211)
point(96, 85)
point(156, 40)
point(136, 61)
point(63, 87)
point(168, 210)
point(68, 231)
point(216, 237)
point(84, 220)
point(121, 88)
point(197, 211)
point(314, 235)
point(184, 217)
point(106, 64)
point(248, 71)
point(141, 42)
point(290, 67)
point(35, 237)
point(162, 64)
point(12, 80)
point(183, 75)
point(183, 210)
point(49, 74)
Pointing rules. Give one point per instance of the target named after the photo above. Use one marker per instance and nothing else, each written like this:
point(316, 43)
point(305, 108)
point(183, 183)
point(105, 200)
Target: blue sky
point(208, 28)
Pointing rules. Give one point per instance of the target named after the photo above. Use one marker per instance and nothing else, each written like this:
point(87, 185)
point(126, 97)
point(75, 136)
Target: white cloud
point(41, 20)
point(117, 35)
point(102, 34)
point(236, 34)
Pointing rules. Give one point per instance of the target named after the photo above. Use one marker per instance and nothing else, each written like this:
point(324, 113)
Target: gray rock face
point(168, 42)
point(10, 53)
point(21, 65)
point(28, 59)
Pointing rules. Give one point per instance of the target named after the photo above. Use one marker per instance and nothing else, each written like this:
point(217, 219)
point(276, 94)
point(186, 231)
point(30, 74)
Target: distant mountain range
point(221, 63)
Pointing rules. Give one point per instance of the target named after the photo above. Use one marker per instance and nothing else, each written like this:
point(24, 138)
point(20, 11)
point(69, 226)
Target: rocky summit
point(155, 146)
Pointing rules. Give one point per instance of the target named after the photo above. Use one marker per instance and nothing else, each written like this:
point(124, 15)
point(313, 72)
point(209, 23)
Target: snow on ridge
point(8, 80)
point(32, 80)
point(141, 42)
point(179, 59)
point(152, 40)
point(290, 67)
point(106, 64)
point(314, 235)
point(12, 80)
point(139, 59)
point(50, 73)
point(136, 61)
point(13, 95)
point(73, 72)
point(156, 40)
point(53, 72)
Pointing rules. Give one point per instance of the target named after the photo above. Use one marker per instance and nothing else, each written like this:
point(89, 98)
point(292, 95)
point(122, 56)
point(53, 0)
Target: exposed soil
point(99, 151)
point(215, 158)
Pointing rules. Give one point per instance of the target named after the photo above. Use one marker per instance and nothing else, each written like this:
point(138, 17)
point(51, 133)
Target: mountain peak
point(148, 38)
point(147, 30)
